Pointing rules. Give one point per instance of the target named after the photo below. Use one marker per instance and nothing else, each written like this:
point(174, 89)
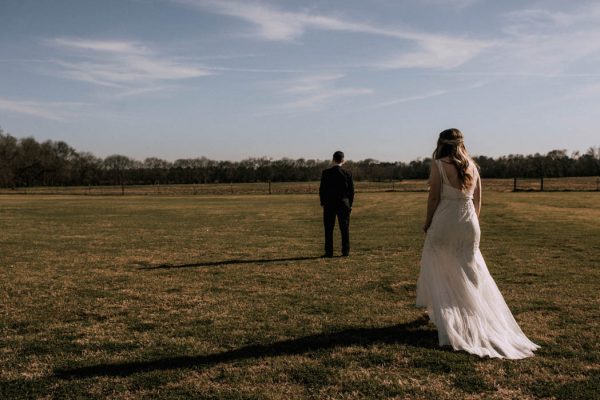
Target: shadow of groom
point(415, 333)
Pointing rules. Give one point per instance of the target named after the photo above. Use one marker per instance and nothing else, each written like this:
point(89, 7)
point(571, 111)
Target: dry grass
point(589, 183)
point(225, 297)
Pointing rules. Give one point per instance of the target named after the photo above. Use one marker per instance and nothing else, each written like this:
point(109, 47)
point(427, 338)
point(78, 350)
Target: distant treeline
point(27, 162)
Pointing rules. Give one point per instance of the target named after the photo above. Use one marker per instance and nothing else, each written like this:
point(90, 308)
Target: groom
point(337, 195)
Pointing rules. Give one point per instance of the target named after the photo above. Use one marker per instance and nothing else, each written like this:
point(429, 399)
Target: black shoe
point(345, 254)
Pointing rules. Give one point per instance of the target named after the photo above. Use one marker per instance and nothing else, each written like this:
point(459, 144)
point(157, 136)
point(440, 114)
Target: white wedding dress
point(455, 285)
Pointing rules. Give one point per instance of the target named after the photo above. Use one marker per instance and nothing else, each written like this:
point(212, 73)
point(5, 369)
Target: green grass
point(225, 297)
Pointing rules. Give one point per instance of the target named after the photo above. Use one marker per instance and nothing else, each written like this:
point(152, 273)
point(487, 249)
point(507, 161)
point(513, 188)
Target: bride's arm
point(477, 196)
point(435, 187)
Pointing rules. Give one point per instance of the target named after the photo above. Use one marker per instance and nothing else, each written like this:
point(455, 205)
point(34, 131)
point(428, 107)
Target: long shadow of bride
point(227, 262)
point(415, 333)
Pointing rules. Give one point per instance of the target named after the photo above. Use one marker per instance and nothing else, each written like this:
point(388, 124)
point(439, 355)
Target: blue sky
point(230, 79)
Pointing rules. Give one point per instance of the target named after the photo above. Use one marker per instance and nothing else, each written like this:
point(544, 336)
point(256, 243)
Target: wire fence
point(576, 184)
point(263, 188)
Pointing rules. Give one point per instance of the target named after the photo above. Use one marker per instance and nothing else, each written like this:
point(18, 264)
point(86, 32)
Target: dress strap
point(442, 172)
point(475, 172)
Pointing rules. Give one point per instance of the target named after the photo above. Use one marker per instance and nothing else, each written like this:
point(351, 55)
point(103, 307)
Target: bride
point(461, 297)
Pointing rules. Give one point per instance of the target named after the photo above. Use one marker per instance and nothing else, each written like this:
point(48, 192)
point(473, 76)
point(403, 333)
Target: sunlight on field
point(226, 297)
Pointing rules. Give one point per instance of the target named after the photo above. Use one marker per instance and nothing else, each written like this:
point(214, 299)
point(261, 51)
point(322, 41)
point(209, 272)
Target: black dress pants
point(343, 216)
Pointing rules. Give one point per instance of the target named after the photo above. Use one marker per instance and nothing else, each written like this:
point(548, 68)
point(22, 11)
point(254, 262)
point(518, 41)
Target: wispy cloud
point(429, 50)
point(311, 93)
point(103, 46)
point(311, 83)
point(55, 111)
point(144, 90)
point(588, 91)
point(256, 70)
point(23, 60)
point(548, 42)
point(458, 4)
point(427, 95)
point(436, 52)
point(537, 17)
point(127, 65)
point(324, 96)
point(406, 99)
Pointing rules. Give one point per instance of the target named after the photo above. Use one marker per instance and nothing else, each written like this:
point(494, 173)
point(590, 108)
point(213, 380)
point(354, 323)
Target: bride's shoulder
point(473, 166)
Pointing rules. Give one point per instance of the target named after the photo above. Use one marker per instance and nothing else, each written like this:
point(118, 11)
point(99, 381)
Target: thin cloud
point(585, 92)
point(424, 96)
point(311, 84)
point(256, 70)
point(55, 111)
point(432, 50)
point(22, 60)
point(436, 53)
point(311, 93)
point(102, 46)
point(458, 4)
point(589, 91)
point(124, 65)
point(219, 57)
point(324, 96)
point(145, 90)
point(405, 100)
point(536, 17)
point(549, 43)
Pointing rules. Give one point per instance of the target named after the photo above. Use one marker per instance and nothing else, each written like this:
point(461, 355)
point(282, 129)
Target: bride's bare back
point(452, 174)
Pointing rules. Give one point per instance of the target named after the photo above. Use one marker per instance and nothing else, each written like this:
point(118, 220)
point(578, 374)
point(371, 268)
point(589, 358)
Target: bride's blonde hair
point(451, 144)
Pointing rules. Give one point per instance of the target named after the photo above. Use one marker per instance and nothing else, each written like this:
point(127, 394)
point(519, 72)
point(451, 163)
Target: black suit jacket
point(337, 187)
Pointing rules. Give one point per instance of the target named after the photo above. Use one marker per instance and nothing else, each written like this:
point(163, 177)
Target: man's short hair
point(338, 156)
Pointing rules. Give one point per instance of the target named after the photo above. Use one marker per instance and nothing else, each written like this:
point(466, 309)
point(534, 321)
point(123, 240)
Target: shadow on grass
point(413, 333)
point(229, 262)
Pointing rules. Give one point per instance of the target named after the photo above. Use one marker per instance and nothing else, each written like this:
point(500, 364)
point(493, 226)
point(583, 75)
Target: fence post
point(269, 187)
point(515, 184)
point(542, 177)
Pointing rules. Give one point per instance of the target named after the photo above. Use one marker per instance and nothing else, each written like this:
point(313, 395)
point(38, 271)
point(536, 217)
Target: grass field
point(225, 297)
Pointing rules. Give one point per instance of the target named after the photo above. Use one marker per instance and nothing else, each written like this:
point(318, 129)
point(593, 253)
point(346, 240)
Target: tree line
point(25, 162)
